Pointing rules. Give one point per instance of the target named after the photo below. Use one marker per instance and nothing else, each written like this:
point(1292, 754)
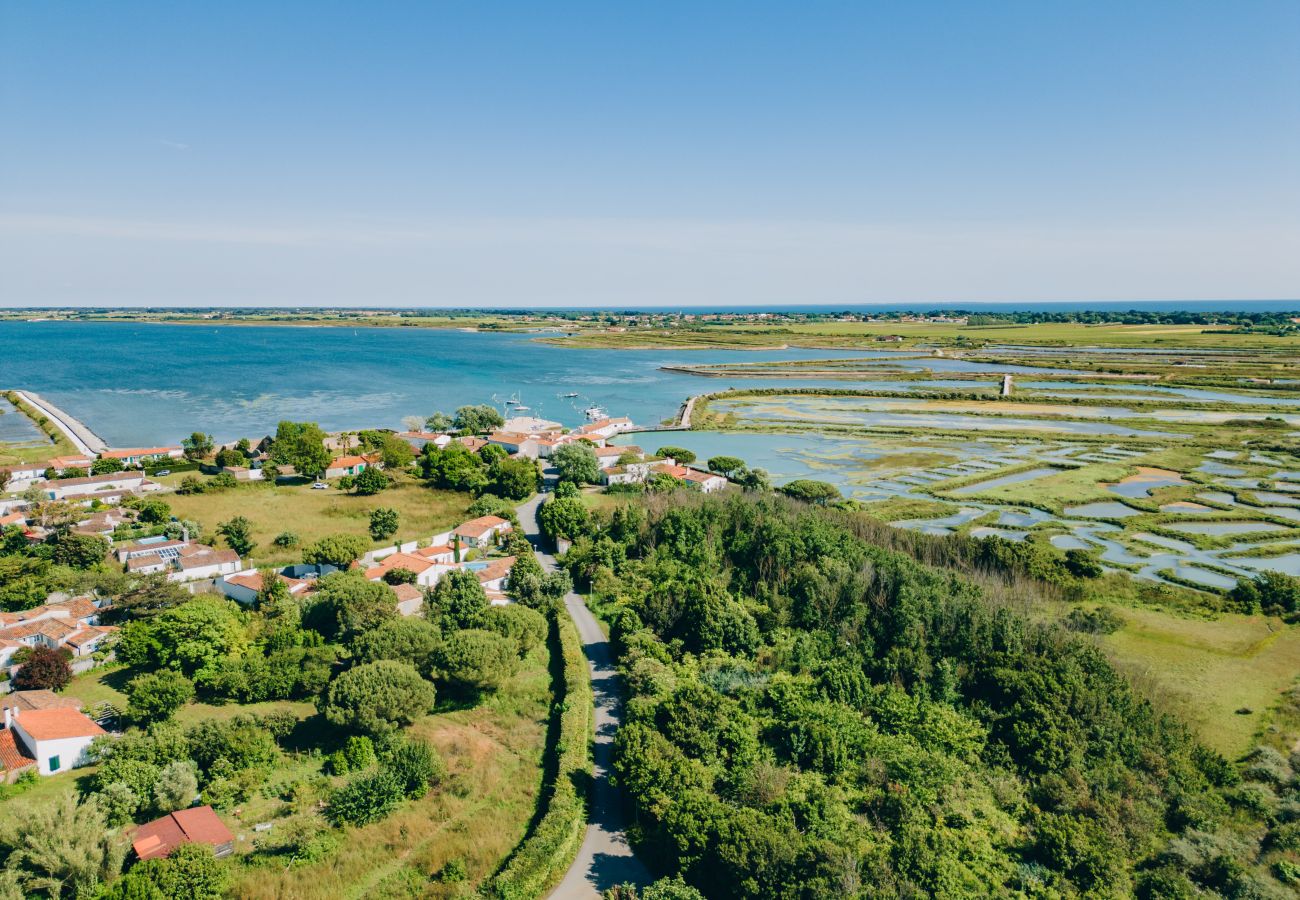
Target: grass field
point(312, 514)
point(1204, 671)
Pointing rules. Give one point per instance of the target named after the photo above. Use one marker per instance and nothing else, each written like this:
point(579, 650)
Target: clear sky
point(620, 153)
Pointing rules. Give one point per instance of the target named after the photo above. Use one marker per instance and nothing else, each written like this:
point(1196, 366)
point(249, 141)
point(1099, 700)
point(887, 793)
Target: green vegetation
point(813, 715)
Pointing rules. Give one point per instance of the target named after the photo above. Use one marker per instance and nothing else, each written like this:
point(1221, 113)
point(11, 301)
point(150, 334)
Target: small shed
point(197, 825)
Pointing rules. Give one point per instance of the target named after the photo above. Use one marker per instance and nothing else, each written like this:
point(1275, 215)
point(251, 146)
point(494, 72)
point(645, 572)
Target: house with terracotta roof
point(418, 439)
point(426, 571)
point(134, 456)
point(245, 587)
point(63, 463)
point(13, 518)
point(608, 455)
point(104, 522)
point(410, 599)
point(492, 573)
point(516, 442)
point(196, 825)
point(349, 465)
point(481, 532)
point(94, 486)
point(475, 444)
point(606, 428)
point(181, 560)
point(58, 739)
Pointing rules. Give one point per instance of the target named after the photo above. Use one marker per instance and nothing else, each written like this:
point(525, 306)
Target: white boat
point(594, 412)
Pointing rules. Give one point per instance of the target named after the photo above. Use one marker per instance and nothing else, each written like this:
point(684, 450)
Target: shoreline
point(85, 440)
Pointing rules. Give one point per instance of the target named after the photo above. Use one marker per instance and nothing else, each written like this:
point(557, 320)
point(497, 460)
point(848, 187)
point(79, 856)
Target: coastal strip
point(85, 440)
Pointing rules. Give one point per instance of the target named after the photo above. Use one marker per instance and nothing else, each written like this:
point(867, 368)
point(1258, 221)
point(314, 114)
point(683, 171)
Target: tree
point(455, 467)
point(191, 871)
point(440, 422)
point(413, 423)
point(106, 466)
point(338, 550)
point(576, 462)
point(154, 696)
point(46, 669)
point(197, 446)
point(409, 640)
point(176, 788)
point(725, 465)
point(65, 848)
point(416, 766)
point(456, 601)
point(354, 603)
point(383, 522)
point(477, 419)
point(228, 456)
point(395, 452)
point(517, 479)
point(238, 533)
point(473, 660)
point(563, 517)
point(752, 479)
point(526, 627)
point(286, 539)
point(147, 597)
point(378, 697)
point(301, 445)
point(153, 511)
point(370, 481)
point(400, 576)
point(680, 454)
point(810, 491)
point(1272, 591)
point(565, 489)
point(80, 551)
point(187, 637)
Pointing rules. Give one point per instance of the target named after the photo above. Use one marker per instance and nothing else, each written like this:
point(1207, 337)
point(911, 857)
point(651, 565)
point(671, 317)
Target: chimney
point(8, 716)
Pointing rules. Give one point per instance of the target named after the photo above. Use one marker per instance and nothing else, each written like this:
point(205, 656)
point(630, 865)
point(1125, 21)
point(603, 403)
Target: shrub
point(365, 799)
point(383, 522)
point(45, 669)
point(378, 697)
point(285, 540)
point(156, 695)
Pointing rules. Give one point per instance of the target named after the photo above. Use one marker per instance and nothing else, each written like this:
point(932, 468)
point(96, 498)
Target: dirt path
point(605, 857)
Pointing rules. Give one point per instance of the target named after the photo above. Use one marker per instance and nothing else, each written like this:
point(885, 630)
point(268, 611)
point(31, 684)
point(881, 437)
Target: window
point(54, 764)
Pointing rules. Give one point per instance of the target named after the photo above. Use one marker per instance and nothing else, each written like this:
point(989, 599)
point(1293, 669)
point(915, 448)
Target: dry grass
point(1204, 671)
point(313, 514)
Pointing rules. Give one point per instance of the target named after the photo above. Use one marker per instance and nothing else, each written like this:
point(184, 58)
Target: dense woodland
point(811, 715)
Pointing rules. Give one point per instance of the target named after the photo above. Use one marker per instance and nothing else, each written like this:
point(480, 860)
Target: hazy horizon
point(583, 154)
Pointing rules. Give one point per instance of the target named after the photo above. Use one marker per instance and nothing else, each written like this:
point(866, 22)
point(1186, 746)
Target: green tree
point(176, 788)
point(383, 522)
point(154, 696)
point(563, 517)
point(477, 419)
point(301, 445)
point(440, 422)
point(365, 799)
point(148, 596)
point(378, 697)
point(473, 660)
point(191, 871)
point(396, 453)
point(153, 511)
point(352, 604)
point(576, 462)
point(725, 465)
point(456, 601)
point(370, 481)
point(526, 627)
point(404, 639)
point(197, 446)
point(810, 491)
point(416, 766)
point(228, 456)
point(238, 533)
point(106, 466)
point(680, 454)
point(338, 550)
point(517, 479)
point(187, 637)
point(80, 551)
point(65, 848)
point(456, 467)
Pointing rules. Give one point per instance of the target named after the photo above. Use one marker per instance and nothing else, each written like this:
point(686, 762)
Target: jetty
point(85, 440)
point(682, 422)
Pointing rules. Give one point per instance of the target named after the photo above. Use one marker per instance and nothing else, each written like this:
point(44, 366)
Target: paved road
point(605, 858)
point(85, 440)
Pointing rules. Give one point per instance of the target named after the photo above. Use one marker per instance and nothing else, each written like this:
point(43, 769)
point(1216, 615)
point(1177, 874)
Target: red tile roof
point(482, 525)
point(12, 754)
point(139, 451)
point(199, 825)
point(57, 724)
point(39, 699)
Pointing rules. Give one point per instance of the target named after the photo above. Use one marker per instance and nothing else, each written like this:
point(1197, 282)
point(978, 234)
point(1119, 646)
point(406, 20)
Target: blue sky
point(454, 154)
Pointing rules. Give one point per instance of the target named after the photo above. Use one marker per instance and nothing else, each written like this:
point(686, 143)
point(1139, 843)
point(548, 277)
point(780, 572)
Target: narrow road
point(605, 857)
point(85, 440)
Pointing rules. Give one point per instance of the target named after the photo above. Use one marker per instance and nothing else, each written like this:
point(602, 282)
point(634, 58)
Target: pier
point(85, 440)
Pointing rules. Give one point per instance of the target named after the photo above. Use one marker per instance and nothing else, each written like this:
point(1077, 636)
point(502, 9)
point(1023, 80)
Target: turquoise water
point(139, 384)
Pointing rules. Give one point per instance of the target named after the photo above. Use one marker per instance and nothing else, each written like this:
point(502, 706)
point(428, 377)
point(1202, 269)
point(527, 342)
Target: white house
point(426, 571)
point(72, 488)
point(481, 532)
point(58, 739)
point(605, 428)
point(349, 465)
point(181, 560)
point(608, 456)
point(244, 587)
point(137, 455)
point(418, 439)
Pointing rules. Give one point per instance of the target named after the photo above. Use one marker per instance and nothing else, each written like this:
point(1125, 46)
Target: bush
point(154, 696)
point(383, 522)
point(370, 481)
point(338, 550)
point(45, 669)
point(285, 540)
point(416, 766)
point(1101, 620)
point(365, 799)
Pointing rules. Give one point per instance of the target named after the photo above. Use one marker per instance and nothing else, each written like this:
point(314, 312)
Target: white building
point(58, 739)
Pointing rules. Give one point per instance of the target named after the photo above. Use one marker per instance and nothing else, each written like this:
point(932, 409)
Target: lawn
point(311, 514)
point(1204, 671)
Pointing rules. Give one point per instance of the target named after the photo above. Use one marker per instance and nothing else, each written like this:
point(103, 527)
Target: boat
point(570, 394)
point(594, 412)
point(521, 408)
